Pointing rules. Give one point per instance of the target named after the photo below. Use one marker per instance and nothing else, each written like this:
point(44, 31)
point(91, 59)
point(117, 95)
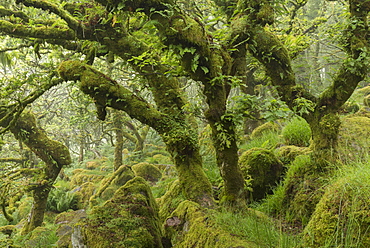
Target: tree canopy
point(175, 67)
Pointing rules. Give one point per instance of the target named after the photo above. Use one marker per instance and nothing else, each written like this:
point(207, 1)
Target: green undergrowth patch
point(342, 217)
point(269, 139)
point(254, 226)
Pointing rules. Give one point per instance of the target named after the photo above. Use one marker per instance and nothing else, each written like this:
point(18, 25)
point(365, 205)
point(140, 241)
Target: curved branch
point(108, 93)
point(47, 6)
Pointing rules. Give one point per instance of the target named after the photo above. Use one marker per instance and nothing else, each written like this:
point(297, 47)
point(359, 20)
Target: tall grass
point(255, 227)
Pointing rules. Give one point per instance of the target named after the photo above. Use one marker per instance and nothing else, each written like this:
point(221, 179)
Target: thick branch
point(109, 93)
point(20, 30)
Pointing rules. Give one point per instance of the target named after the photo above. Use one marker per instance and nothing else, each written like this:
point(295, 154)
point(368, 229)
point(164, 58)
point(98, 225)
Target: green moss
point(367, 100)
point(190, 226)
point(262, 167)
point(287, 154)
point(110, 184)
point(296, 197)
point(83, 194)
point(39, 237)
point(147, 171)
point(7, 230)
point(354, 136)
point(129, 219)
point(23, 209)
point(266, 127)
point(82, 176)
point(170, 200)
point(363, 112)
point(349, 107)
point(65, 223)
point(342, 217)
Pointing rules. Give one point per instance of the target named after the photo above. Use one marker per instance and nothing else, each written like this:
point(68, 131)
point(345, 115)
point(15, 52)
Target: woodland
point(170, 123)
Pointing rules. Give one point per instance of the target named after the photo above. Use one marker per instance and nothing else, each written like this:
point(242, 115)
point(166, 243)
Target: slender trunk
point(82, 150)
point(118, 148)
point(224, 141)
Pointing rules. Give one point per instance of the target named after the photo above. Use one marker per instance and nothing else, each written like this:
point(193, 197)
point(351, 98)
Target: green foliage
point(60, 200)
point(341, 218)
point(41, 237)
point(256, 227)
point(269, 139)
point(263, 108)
point(297, 132)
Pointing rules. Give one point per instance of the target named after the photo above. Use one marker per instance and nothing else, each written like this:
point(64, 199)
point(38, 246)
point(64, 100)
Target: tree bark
point(53, 153)
point(180, 139)
point(118, 146)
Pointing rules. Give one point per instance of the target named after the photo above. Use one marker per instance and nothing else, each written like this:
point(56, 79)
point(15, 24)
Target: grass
point(266, 140)
point(255, 227)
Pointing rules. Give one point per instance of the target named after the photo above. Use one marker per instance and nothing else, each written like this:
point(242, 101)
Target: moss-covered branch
point(180, 140)
point(107, 92)
point(8, 12)
point(47, 6)
point(45, 32)
point(354, 69)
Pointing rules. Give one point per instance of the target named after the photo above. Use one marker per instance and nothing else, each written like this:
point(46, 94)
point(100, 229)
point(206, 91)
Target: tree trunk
point(180, 139)
point(118, 147)
point(53, 153)
point(324, 141)
point(36, 217)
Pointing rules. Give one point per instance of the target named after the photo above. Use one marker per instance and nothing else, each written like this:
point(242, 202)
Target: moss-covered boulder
point(65, 223)
point(287, 154)
point(110, 184)
point(190, 226)
point(83, 194)
point(354, 142)
point(297, 195)
point(263, 168)
point(264, 128)
point(342, 217)
point(129, 219)
point(81, 176)
point(170, 200)
point(147, 171)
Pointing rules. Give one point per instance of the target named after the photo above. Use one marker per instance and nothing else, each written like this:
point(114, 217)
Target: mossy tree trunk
point(320, 112)
point(53, 153)
point(209, 62)
point(180, 139)
point(213, 69)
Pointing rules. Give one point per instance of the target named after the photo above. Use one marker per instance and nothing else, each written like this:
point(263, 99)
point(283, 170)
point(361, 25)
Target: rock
point(261, 167)
point(128, 219)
